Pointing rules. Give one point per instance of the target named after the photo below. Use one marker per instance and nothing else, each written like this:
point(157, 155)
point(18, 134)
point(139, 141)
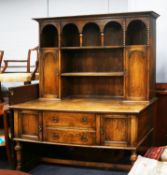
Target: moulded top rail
point(124, 14)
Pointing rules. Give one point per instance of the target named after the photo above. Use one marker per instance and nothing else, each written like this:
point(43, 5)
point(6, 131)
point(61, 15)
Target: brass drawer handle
point(55, 136)
point(39, 128)
point(84, 120)
point(55, 119)
point(84, 138)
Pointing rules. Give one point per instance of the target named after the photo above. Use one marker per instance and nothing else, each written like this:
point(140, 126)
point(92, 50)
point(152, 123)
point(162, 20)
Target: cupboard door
point(115, 130)
point(137, 77)
point(49, 86)
point(29, 124)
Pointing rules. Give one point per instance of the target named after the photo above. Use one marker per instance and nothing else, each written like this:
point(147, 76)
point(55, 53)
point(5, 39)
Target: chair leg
point(6, 132)
point(1, 98)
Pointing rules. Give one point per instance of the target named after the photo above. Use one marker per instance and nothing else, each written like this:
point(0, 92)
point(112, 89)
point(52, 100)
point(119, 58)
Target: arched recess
point(113, 34)
point(70, 35)
point(49, 36)
point(91, 35)
point(136, 33)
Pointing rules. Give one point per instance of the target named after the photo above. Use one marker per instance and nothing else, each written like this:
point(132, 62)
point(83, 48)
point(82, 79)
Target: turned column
point(81, 39)
point(18, 148)
point(133, 156)
point(102, 39)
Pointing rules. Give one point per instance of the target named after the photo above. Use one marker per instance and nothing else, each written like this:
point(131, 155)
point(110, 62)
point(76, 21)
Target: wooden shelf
point(50, 48)
point(136, 45)
point(89, 74)
point(92, 47)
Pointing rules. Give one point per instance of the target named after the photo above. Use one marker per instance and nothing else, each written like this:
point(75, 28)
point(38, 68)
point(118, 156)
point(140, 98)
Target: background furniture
point(21, 75)
point(97, 86)
point(14, 71)
point(1, 56)
point(15, 95)
point(4, 130)
point(161, 120)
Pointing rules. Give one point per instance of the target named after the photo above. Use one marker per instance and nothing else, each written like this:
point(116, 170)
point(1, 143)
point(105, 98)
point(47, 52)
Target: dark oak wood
point(75, 120)
point(97, 76)
point(160, 122)
point(137, 70)
point(24, 93)
point(49, 73)
point(94, 60)
point(90, 74)
point(93, 105)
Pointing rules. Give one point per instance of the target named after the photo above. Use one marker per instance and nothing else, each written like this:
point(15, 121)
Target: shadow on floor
point(44, 169)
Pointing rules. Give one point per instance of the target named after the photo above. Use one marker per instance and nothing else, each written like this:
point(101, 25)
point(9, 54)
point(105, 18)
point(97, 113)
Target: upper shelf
point(94, 47)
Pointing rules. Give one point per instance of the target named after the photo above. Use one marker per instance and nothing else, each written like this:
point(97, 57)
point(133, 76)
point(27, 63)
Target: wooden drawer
point(70, 136)
point(80, 120)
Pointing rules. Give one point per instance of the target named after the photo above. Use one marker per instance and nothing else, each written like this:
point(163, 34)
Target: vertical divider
point(102, 39)
point(59, 58)
point(81, 39)
point(124, 59)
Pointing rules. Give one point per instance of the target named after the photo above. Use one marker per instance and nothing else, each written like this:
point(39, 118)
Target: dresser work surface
point(85, 105)
point(90, 123)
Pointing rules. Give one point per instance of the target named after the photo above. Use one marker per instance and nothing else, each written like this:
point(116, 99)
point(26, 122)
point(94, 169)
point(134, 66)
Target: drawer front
point(70, 136)
point(80, 120)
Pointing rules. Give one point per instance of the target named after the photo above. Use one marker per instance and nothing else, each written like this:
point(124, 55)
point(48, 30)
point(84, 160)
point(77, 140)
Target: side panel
point(49, 86)
point(137, 72)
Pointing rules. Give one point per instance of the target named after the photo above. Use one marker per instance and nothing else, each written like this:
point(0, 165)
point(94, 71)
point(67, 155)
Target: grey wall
point(80, 7)
point(158, 6)
point(17, 31)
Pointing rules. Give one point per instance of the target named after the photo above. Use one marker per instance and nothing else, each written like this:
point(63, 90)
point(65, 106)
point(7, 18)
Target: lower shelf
point(100, 74)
